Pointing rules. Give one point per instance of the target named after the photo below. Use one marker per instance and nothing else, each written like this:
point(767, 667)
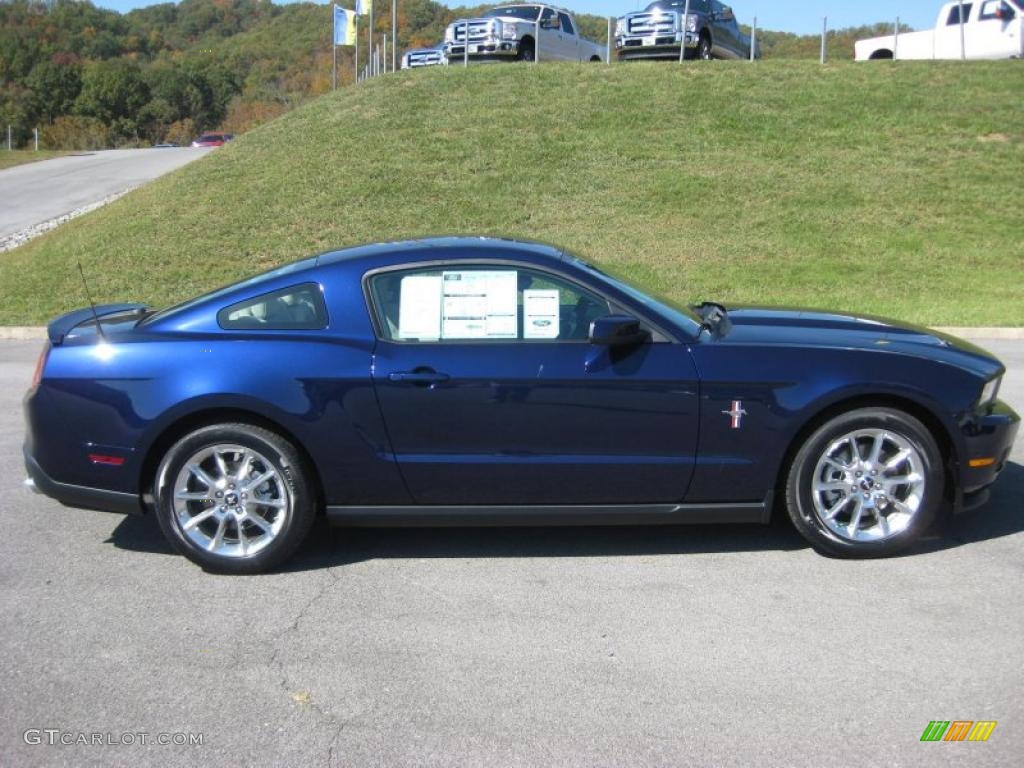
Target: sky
point(783, 15)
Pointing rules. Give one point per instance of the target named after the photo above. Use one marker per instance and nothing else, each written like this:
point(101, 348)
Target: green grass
point(9, 159)
point(885, 189)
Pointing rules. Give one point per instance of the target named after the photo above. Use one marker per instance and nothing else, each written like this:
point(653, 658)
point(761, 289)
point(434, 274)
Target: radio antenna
point(95, 317)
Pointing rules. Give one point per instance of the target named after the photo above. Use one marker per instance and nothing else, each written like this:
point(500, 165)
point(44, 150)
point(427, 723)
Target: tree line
point(90, 77)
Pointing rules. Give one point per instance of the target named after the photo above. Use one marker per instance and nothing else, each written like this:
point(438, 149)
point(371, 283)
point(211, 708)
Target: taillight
point(37, 376)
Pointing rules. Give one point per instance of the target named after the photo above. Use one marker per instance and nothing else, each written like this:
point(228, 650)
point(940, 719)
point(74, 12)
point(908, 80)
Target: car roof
point(440, 248)
point(362, 258)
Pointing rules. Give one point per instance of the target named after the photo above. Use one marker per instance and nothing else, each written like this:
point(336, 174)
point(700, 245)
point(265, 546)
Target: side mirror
point(617, 331)
point(551, 23)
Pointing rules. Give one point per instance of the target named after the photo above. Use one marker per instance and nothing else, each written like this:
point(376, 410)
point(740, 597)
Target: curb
point(22, 333)
point(38, 333)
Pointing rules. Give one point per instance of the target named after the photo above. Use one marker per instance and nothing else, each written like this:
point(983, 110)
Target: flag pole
point(370, 38)
point(334, 47)
point(394, 35)
point(355, 58)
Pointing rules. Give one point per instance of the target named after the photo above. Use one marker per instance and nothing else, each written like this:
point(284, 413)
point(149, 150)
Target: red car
point(213, 139)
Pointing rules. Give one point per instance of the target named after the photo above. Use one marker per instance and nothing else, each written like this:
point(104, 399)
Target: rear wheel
point(866, 483)
point(234, 498)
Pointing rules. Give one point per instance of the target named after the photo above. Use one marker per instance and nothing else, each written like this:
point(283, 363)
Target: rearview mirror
point(617, 331)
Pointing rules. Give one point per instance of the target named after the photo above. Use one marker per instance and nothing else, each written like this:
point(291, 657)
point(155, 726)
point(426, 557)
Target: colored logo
point(958, 730)
point(736, 413)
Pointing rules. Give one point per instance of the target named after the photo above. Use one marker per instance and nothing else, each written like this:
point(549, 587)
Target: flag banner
point(344, 26)
point(364, 7)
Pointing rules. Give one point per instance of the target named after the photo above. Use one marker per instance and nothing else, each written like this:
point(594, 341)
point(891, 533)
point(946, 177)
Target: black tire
point(526, 50)
point(281, 455)
point(704, 49)
point(800, 498)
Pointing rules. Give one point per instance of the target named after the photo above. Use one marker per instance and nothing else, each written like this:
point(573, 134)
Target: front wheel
point(867, 483)
point(526, 51)
point(704, 52)
point(234, 498)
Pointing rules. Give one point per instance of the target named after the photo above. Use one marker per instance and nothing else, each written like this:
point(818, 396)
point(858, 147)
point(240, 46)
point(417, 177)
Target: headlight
point(691, 23)
point(509, 31)
point(620, 27)
point(989, 392)
point(449, 34)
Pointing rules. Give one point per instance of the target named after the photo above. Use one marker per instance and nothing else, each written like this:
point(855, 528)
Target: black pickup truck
point(657, 32)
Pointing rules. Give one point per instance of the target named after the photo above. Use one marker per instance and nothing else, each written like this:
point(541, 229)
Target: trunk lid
point(112, 318)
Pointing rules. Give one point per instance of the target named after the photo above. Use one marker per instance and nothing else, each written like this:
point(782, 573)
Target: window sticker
point(419, 308)
point(479, 305)
point(540, 314)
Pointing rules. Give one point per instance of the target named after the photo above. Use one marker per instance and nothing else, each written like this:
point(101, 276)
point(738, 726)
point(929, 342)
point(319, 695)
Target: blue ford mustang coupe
point(482, 381)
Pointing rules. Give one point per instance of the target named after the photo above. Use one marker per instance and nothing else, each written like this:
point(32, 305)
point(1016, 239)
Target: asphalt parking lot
point(39, 192)
point(530, 647)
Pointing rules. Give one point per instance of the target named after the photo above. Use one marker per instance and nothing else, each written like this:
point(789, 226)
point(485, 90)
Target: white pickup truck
point(992, 29)
point(520, 32)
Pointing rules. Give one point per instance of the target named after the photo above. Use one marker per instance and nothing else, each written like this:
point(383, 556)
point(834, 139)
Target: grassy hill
point(883, 189)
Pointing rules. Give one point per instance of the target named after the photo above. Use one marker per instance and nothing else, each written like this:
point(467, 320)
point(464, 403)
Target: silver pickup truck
point(424, 57)
point(520, 32)
point(711, 32)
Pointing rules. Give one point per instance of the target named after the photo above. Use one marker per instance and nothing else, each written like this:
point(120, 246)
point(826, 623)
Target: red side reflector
point(110, 461)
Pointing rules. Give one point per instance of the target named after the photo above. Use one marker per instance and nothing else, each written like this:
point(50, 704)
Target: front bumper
point(78, 495)
point(653, 46)
point(490, 47)
point(988, 440)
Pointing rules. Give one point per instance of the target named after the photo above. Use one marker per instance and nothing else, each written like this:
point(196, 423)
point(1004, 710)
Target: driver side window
point(497, 303)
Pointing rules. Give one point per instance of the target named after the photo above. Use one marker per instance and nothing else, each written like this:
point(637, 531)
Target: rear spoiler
point(64, 324)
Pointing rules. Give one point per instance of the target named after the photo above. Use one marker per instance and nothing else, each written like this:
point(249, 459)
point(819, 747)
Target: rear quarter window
point(297, 308)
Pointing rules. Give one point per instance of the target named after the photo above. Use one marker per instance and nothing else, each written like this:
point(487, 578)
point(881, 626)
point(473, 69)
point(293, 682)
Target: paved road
point(618, 647)
point(37, 192)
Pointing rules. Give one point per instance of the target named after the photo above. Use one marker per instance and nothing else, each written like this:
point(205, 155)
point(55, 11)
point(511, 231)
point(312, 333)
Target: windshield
point(679, 314)
point(660, 5)
point(525, 12)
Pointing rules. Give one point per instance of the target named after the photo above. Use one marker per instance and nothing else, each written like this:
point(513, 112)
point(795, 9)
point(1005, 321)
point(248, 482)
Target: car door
point(548, 44)
point(569, 42)
point(726, 37)
point(997, 32)
point(947, 35)
point(492, 393)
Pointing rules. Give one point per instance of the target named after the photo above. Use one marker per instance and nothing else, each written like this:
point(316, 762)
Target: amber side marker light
point(979, 463)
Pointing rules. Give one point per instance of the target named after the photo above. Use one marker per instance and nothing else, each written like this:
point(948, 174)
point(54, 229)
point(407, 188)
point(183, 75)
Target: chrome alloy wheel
point(230, 500)
point(868, 485)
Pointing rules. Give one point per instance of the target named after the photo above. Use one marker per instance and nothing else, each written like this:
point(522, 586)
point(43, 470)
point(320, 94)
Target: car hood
point(485, 19)
point(804, 327)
